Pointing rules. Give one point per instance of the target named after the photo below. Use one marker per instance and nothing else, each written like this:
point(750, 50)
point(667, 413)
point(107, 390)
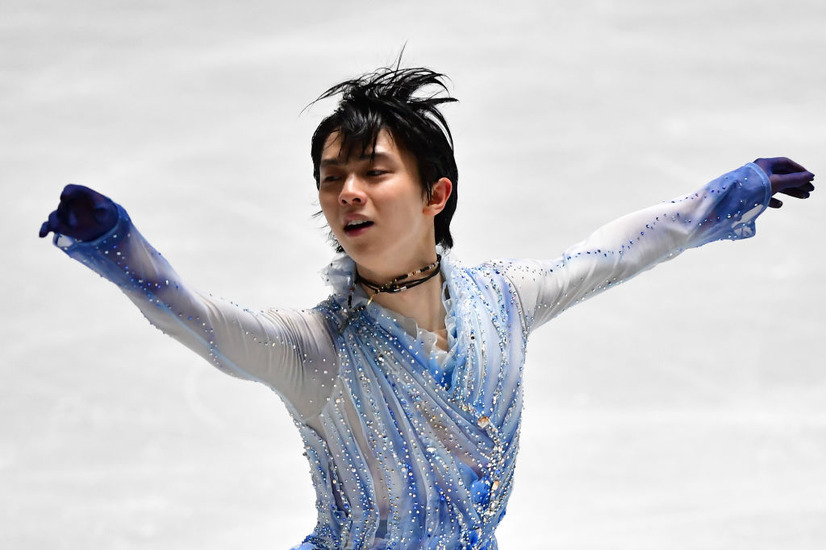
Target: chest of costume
point(415, 444)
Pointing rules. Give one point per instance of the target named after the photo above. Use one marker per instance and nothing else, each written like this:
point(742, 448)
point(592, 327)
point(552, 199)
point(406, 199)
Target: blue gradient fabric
point(411, 446)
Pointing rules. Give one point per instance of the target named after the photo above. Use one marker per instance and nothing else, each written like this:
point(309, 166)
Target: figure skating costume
point(410, 446)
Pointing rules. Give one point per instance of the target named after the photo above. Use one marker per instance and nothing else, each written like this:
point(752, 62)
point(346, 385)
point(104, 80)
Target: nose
point(352, 191)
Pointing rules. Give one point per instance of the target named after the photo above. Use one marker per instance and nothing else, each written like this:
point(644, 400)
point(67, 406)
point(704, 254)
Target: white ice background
point(684, 410)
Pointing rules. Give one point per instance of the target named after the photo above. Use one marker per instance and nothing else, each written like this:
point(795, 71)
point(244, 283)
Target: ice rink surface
point(684, 410)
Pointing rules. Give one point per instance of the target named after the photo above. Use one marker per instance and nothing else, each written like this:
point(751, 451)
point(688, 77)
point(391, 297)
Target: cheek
point(328, 205)
point(405, 202)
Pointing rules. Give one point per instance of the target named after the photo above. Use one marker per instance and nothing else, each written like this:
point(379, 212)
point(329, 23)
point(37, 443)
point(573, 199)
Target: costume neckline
point(340, 275)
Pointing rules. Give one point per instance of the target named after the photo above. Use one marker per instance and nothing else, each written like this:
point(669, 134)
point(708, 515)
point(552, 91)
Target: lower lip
point(357, 231)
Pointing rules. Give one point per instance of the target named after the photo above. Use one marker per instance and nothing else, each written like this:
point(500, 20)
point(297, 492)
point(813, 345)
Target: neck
point(416, 294)
point(384, 268)
point(403, 282)
point(422, 303)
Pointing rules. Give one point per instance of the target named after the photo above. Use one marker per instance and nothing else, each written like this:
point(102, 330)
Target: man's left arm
point(725, 208)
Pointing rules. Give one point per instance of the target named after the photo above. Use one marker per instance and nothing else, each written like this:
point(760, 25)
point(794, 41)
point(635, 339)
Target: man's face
point(376, 207)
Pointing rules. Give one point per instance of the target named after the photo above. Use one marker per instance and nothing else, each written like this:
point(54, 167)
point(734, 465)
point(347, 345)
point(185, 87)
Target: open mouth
point(356, 226)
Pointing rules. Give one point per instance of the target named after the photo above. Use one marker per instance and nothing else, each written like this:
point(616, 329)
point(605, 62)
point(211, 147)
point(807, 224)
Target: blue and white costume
point(410, 446)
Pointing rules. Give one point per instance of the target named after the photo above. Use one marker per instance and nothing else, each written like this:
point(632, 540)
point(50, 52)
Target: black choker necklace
point(403, 282)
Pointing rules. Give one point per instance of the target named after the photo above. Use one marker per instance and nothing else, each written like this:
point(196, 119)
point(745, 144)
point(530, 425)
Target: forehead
point(339, 149)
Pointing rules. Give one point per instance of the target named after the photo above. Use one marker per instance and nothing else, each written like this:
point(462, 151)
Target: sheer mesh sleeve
point(290, 351)
point(724, 209)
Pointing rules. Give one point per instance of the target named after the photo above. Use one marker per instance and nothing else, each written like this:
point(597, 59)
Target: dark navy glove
point(83, 214)
point(787, 177)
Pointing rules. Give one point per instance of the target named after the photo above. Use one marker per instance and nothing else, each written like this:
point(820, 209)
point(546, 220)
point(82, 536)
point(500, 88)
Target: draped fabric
point(441, 436)
point(411, 447)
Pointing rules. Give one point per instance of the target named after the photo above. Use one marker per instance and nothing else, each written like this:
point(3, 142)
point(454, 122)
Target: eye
point(374, 173)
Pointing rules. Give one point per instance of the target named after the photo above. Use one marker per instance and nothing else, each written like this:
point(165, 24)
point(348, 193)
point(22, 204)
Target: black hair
point(384, 99)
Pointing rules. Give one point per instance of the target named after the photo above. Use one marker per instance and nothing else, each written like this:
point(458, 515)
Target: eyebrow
point(376, 156)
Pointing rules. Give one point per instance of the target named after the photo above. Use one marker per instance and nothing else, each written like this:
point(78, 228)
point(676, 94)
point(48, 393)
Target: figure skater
point(406, 383)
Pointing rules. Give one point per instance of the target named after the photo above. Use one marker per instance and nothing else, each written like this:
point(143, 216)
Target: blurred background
point(684, 410)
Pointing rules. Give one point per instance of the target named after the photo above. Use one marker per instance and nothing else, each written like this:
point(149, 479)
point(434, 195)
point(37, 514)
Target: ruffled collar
point(340, 274)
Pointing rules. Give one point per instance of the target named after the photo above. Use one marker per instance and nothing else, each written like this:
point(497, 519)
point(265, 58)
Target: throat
point(422, 304)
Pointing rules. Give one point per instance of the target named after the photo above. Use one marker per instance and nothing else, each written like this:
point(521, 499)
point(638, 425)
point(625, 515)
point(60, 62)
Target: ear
point(439, 194)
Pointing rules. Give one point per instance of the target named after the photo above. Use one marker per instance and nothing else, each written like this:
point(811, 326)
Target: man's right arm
point(289, 351)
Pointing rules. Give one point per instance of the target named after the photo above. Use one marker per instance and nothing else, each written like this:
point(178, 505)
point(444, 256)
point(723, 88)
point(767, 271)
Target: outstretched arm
point(724, 209)
point(283, 349)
